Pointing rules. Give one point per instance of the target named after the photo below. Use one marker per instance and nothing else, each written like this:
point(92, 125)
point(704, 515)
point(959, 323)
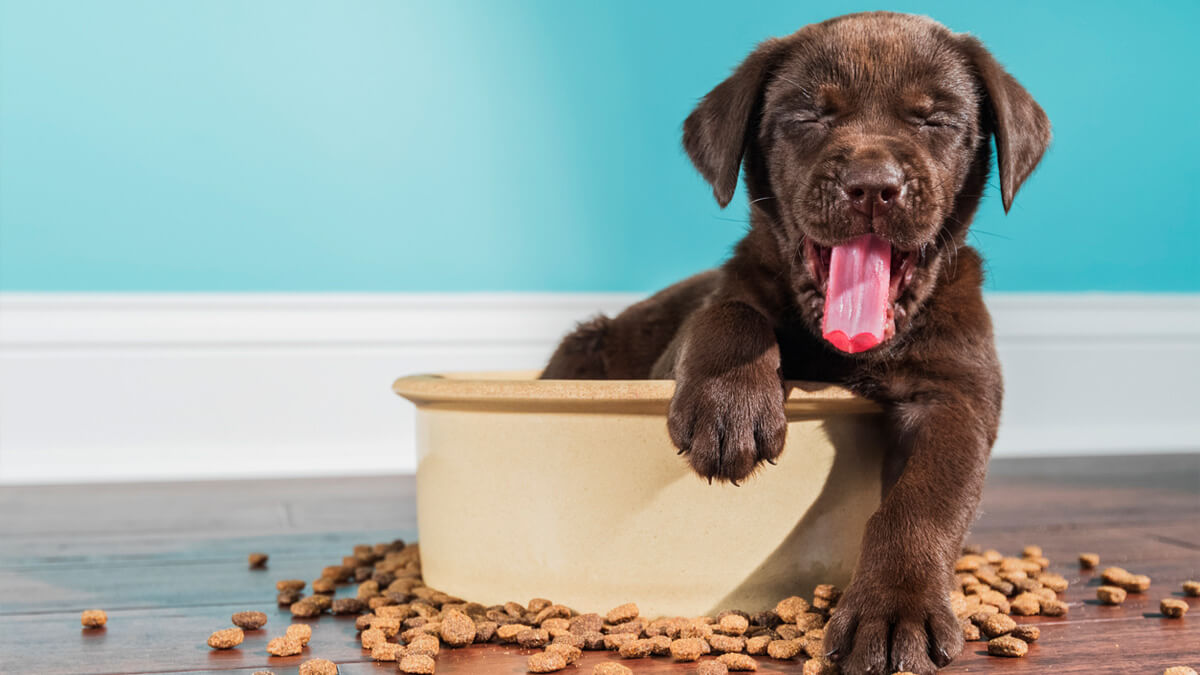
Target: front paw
point(726, 426)
point(881, 629)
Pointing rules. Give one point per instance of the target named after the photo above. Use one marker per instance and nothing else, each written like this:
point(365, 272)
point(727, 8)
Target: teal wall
point(282, 145)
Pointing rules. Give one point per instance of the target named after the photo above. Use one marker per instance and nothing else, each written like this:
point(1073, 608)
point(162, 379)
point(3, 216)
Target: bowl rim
point(516, 391)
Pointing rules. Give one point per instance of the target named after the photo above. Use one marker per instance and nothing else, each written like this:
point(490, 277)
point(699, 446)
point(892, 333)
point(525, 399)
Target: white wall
point(130, 386)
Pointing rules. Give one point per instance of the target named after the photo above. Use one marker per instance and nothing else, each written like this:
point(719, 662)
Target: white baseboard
point(148, 386)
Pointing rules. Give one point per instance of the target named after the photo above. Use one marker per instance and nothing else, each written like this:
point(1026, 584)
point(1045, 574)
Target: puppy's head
point(865, 141)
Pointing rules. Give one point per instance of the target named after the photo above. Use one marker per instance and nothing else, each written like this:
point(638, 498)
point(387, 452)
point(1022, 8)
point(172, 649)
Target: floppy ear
point(716, 133)
point(1020, 125)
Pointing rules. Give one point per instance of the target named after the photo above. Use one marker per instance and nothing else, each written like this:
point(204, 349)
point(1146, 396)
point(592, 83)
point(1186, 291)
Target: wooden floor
point(167, 561)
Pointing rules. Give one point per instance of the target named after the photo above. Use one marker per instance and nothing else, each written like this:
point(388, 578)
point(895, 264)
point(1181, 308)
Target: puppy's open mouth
point(861, 280)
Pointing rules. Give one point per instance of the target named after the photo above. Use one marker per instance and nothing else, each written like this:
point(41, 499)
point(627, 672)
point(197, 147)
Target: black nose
point(873, 187)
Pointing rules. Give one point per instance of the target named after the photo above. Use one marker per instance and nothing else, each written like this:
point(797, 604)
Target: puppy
point(866, 143)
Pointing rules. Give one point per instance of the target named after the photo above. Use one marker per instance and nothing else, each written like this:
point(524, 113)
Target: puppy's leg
point(896, 615)
point(580, 355)
point(727, 412)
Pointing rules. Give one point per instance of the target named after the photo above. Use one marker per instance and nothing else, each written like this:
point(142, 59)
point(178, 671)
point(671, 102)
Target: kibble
point(819, 666)
point(257, 560)
point(93, 618)
point(996, 625)
point(458, 629)
point(1054, 608)
point(226, 639)
point(546, 662)
point(249, 620)
point(785, 649)
point(790, 608)
point(726, 643)
point(712, 668)
point(301, 632)
point(1191, 589)
point(1026, 633)
point(1111, 595)
point(569, 652)
point(417, 664)
point(738, 662)
point(757, 646)
point(289, 585)
point(1007, 645)
point(425, 645)
point(1089, 561)
point(1179, 670)
point(1137, 583)
point(733, 624)
point(534, 637)
point(610, 668)
point(318, 667)
point(622, 613)
point(1173, 607)
point(347, 606)
point(388, 651)
point(688, 649)
point(284, 646)
point(636, 649)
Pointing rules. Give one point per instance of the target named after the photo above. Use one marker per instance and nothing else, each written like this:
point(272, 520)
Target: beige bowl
point(571, 490)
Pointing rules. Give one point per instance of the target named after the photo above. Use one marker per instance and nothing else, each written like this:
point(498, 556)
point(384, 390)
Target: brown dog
point(865, 142)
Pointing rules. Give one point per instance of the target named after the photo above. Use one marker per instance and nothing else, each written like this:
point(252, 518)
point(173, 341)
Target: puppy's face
point(866, 124)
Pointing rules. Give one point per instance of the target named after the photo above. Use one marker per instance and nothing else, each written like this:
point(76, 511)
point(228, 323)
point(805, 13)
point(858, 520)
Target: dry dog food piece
point(997, 625)
point(1173, 607)
point(622, 613)
point(426, 645)
point(1026, 633)
point(306, 608)
point(785, 649)
point(321, 602)
point(348, 606)
point(662, 645)
point(634, 626)
point(552, 612)
point(810, 621)
point(1137, 583)
point(1055, 582)
point(1111, 595)
point(970, 631)
point(1054, 608)
point(819, 666)
point(767, 619)
point(594, 640)
point(226, 639)
point(534, 637)
point(538, 604)
point(1031, 552)
point(300, 632)
point(257, 560)
point(695, 629)
point(1007, 645)
point(249, 620)
point(636, 649)
point(570, 653)
point(416, 664)
point(458, 629)
point(738, 662)
point(284, 646)
point(388, 651)
point(546, 662)
point(688, 649)
point(1191, 588)
point(324, 585)
point(613, 641)
point(286, 598)
point(1115, 576)
point(790, 608)
point(712, 668)
point(1179, 670)
point(726, 643)
point(371, 638)
point(610, 668)
point(586, 623)
point(788, 631)
point(389, 625)
point(289, 585)
point(509, 632)
point(318, 667)
point(484, 630)
point(1089, 561)
point(733, 624)
point(757, 646)
point(555, 624)
point(93, 618)
point(1025, 604)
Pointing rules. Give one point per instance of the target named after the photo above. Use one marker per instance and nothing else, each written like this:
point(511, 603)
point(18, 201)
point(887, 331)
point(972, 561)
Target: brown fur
point(800, 115)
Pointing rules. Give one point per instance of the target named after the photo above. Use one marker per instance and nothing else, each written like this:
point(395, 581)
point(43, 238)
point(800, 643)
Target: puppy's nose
point(873, 187)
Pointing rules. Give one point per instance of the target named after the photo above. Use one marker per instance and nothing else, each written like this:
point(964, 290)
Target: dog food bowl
point(571, 490)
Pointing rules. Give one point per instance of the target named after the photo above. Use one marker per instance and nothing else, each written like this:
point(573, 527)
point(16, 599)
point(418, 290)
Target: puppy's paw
point(727, 426)
point(877, 629)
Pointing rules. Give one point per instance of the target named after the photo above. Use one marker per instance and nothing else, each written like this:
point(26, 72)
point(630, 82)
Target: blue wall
point(221, 145)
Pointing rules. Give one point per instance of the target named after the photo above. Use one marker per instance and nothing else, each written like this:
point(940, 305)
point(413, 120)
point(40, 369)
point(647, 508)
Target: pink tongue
point(856, 298)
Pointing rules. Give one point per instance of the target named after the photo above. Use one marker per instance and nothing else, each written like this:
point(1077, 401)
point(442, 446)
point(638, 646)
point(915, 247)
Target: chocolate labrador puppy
point(866, 143)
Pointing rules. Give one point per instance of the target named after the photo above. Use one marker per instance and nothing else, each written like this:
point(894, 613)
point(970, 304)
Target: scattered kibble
point(622, 613)
point(257, 560)
point(1026, 633)
point(1173, 607)
point(290, 585)
point(417, 664)
point(318, 667)
point(738, 662)
point(610, 668)
point(249, 620)
point(1007, 645)
point(712, 668)
point(226, 639)
point(1111, 595)
point(546, 662)
point(284, 646)
point(93, 618)
point(300, 632)
point(1179, 670)
point(688, 649)
point(1191, 588)
point(1089, 561)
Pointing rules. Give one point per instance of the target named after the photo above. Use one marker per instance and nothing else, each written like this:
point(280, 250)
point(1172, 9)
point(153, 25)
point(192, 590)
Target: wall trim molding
point(129, 386)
